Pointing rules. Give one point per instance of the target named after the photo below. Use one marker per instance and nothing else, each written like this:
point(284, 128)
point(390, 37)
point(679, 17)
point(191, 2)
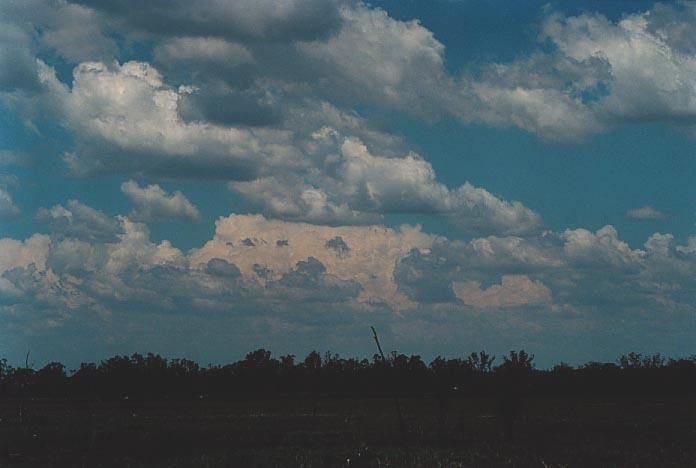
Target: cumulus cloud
point(80, 221)
point(374, 57)
point(131, 272)
point(650, 78)
point(129, 110)
point(77, 33)
point(291, 198)
point(267, 98)
point(72, 31)
point(249, 241)
point(320, 279)
point(355, 185)
point(590, 75)
point(575, 271)
point(600, 74)
point(645, 212)
point(513, 291)
point(152, 203)
point(297, 172)
point(16, 253)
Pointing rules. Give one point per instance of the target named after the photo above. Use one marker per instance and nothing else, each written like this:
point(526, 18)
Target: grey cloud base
point(312, 281)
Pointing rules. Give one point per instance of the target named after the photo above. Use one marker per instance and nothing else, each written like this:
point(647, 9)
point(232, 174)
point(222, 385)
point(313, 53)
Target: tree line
point(259, 373)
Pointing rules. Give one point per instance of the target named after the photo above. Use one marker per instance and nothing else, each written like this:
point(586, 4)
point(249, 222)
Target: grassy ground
point(464, 432)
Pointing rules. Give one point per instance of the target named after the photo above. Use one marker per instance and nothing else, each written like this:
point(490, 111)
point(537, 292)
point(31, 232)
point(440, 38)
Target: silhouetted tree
point(514, 379)
point(481, 362)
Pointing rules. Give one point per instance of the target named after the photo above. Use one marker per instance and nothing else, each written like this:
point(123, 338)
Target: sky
point(204, 179)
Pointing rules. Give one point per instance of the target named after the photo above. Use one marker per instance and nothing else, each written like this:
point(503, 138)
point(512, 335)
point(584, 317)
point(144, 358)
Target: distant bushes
point(259, 373)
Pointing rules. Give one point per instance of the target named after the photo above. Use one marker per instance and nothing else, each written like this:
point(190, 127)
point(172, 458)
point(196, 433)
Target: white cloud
point(645, 212)
point(513, 291)
point(80, 221)
point(374, 57)
point(576, 271)
point(15, 253)
point(311, 279)
point(76, 32)
point(600, 248)
point(248, 240)
point(596, 74)
point(152, 203)
point(130, 111)
point(268, 105)
point(651, 80)
point(549, 113)
point(351, 184)
point(291, 198)
point(299, 172)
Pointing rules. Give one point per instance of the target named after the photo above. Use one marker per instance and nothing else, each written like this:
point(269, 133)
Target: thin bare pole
point(21, 401)
point(402, 425)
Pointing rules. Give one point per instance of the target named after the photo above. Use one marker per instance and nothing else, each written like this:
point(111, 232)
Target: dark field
point(308, 432)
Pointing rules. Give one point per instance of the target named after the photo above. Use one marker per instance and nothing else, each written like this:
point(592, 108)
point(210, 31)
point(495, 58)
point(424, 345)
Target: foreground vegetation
point(479, 374)
point(326, 411)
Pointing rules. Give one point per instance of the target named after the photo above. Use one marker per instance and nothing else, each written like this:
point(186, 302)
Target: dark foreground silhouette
point(147, 411)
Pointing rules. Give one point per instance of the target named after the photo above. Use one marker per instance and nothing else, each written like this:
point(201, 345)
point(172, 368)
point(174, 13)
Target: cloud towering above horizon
point(216, 176)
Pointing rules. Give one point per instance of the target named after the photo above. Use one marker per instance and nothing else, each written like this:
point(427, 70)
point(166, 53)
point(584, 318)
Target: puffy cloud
point(130, 111)
point(80, 221)
point(152, 203)
point(73, 277)
point(645, 212)
point(332, 281)
point(356, 186)
point(596, 74)
point(76, 33)
point(599, 73)
point(602, 248)
point(72, 31)
point(374, 57)
point(252, 240)
point(575, 271)
point(248, 66)
point(650, 78)
point(267, 104)
point(290, 198)
point(513, 291)
point(303, 174)
point(15, 253)
point(547, 112)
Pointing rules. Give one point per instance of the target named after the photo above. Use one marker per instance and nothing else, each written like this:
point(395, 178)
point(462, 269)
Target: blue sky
point(495, 175)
